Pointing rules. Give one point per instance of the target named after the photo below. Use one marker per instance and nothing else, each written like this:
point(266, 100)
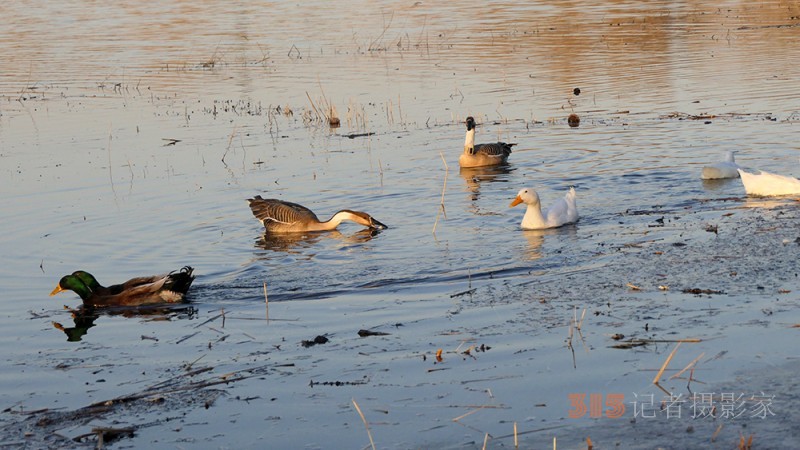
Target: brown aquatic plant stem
point(516, 440)
point(664, 367)
point(444, 188)
point(266, 300)
point(230, 141)
point(485, 441)
point(366, 425)
point(688, 366)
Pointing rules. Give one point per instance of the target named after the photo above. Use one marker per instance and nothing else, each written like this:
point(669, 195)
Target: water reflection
point(84, 318)
point(536, 239)
point(474, 176)
point(721, 184)
point(291, 242)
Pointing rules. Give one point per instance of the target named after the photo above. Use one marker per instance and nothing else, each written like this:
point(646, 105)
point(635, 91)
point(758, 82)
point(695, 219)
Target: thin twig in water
point(444, 188)
point(663, 368)
point(266, 300)
point(366, 425)
point(485, 441)
point(110, 176)
point(230, 140)
point(516, 441)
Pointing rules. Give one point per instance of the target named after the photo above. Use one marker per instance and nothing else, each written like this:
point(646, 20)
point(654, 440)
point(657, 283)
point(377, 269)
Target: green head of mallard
point(87, 278)
point(76, 284)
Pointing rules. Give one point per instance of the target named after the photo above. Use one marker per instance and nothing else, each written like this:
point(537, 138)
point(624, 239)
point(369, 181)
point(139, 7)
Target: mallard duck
point(169, 288)
point(767, 184)
point(482, 154)
point(279, 216)
point(726, 168)
point(562, 212)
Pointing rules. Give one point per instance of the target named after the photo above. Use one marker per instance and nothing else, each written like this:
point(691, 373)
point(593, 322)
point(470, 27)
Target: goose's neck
point(469, 141)
point(533, 217)
point(333, 222)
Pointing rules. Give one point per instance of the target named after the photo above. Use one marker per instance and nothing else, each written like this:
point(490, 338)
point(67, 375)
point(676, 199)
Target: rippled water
point(131, 135)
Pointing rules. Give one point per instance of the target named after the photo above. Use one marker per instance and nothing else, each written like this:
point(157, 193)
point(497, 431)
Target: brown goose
point(279, 216)
point(482, 154)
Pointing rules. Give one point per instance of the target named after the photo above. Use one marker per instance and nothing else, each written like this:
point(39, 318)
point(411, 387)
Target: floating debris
point(573, 120)
point(317, 340)
point(365, 333)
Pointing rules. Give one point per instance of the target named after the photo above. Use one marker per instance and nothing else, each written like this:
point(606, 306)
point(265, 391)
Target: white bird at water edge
point(767, 184)
point(726, 168)
point(564, 211)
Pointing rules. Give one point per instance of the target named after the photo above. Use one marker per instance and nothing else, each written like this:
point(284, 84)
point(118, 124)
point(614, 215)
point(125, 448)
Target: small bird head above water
point(73, 283)
point(470, 123)
point(527, 196)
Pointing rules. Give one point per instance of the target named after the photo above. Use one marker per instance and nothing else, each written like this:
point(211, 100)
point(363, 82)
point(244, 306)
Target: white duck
point(562, 212)
point(767, 184)
point(723, 169)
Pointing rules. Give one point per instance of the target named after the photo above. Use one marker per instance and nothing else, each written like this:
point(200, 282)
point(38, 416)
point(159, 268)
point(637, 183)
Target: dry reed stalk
point(664, 367)
point(319, 116)
point(589, 445)
point(554, 443)
point(366, 425)
point(266, 300)
point(690, 365)
point(223, 317)
point(400, 110)
point(230, 141)
point(485, 441)
point(468, 413)
point(444, 188)
point(717, 432)
point(516, 441)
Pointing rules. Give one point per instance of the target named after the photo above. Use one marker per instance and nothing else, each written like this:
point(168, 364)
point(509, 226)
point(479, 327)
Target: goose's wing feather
point(494, 149)
point(278, 211)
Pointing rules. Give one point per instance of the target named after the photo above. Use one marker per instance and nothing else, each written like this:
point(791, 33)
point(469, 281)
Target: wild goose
point(482, 154)
point(279, 216)
point(169, 288)
point(562, 212)
point(726, 168)
point(767, 184)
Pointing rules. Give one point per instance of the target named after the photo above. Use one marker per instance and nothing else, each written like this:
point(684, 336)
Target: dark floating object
point(697, 291)
point(576, 91)
point(573, 120)
point(365, 333)
point(169, 288)
point(317, 340)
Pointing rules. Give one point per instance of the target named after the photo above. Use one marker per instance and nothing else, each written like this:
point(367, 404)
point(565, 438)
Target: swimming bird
point(482, 154)
point(767, 184)
point(562, 212)
point(726, 168)
point(169, 288)
point(279, 216)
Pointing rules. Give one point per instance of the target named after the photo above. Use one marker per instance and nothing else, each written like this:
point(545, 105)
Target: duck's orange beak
point(516, 202)
point(56, 291)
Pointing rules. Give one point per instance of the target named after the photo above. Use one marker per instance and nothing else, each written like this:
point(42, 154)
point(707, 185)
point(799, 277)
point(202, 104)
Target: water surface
point(130, 137)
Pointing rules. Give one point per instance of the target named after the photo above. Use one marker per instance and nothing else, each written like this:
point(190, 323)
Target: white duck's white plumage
point(723, 169)
point(767, 184)
point(562, 212)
